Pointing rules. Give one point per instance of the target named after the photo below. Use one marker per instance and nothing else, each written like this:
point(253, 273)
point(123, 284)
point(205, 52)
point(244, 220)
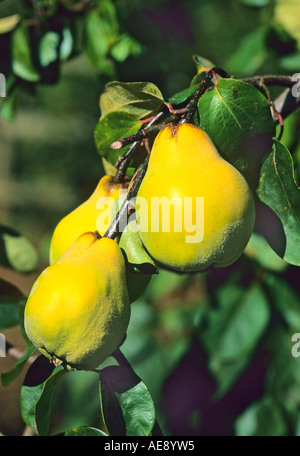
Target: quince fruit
point(194, 209)
point(84, 218)
point(78, 310)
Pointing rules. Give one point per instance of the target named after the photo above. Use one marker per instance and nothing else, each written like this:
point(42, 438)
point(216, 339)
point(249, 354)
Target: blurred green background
point(49, 165)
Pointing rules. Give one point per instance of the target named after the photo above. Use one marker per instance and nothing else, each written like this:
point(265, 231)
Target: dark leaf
point(85, 431)
point(232, 114)
point(16, 251)
point(279, 191)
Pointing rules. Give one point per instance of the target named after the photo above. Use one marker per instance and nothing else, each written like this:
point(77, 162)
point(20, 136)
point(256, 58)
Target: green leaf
point(124, 47)
point(101, 31)
point(10, 7)
point(133, 398)
point(36, 399)
point(285, 299)
point(9, 376)
point(85, 431)
point(283, 375)
point(246, 326)
point(259, 250)
point(250, 54)
point(138, 410)
point(112, 127)
point(49, 48)
point(66, 45)
point(262, 418)
point(135, 252)
point(9, 312)
point(234, 114)
point(138, 98)
point(279, 191)
point(182, 96)
point(202, 65)
point(22, 62)
point(233, 329)
point(16, 251)
point(43, 405)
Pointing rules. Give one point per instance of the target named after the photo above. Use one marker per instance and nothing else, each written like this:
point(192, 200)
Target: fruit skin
point(185, 163)
point(78, 310)
point(84, 218)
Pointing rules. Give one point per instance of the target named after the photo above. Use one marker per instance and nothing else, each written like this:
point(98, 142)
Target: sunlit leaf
point(112, 127)
point(138, 98)
point(22, 62)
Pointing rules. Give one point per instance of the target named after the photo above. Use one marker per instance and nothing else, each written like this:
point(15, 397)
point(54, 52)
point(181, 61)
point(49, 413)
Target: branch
point(114, 229)
point(270, 80)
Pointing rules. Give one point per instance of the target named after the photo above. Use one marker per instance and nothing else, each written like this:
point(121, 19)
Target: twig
point(270, 80)
point(125, 159)
point(114, 229)
point(141, 134)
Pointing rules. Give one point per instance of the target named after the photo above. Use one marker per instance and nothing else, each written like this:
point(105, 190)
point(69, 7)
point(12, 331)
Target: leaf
point(259, 250)
point(138, 98)
point(85, 431)
point(130, 242)
point(9, 376)
point(286, 13)
point(22, 62)
point(9, 312)
point(182, 96)
point(16, 251)
point(133, 398)
point(250, 54)
point(7, 24)
point(36, 400)
point(101, 31)
point(124, 47)
point(112, 127)
point(247, 324)
point(285, 299)
point(66, 45)
point(279, 191)
point(49, 48)
point(10, 7)
point(233, 329)
point(202, 65)
point(262, 418)
point(43, 405)
point(283, 377)
point(235, 114)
